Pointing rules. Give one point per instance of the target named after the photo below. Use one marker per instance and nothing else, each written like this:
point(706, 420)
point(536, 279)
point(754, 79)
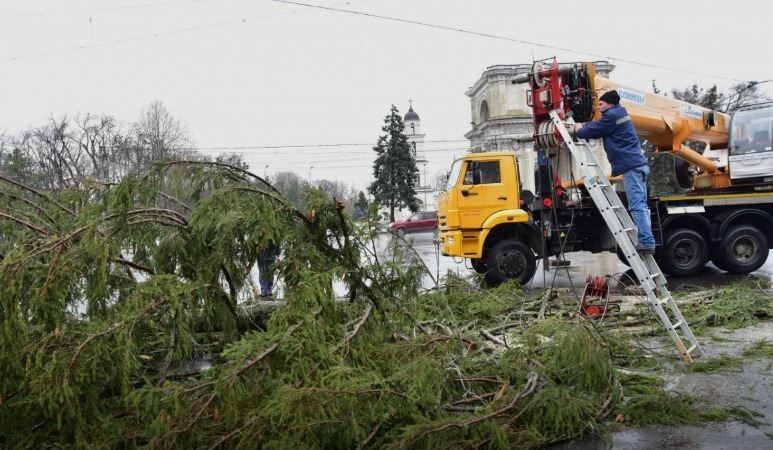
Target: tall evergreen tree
point(395, 167)
point(360, 209)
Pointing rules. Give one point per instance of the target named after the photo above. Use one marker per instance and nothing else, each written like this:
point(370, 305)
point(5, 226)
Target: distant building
point(424, 190)
point(499, 112)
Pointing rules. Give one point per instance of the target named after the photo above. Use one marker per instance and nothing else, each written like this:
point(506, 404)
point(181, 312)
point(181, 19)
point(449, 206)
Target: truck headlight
point(450, 240)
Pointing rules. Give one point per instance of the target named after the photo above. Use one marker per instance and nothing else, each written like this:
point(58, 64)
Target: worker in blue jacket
point(621, 143)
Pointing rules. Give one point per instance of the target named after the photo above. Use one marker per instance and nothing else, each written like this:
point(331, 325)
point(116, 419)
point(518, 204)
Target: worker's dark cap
point(611, 97)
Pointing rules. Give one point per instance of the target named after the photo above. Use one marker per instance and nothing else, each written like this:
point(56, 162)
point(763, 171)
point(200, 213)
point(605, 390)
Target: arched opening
point(484, 111)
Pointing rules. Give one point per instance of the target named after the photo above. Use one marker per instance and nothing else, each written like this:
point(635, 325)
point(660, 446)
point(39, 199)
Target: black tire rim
point(512, 263)
point(744, 249)
point(684, 253)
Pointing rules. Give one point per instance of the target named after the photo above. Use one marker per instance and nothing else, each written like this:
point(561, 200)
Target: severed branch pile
point(120, 326)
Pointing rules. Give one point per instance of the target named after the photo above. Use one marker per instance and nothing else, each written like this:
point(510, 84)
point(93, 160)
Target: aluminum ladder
point(624, 231)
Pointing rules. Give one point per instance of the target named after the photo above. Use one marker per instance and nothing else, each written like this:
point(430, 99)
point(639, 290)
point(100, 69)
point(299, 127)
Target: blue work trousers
point(265, 273)
point(635, 181)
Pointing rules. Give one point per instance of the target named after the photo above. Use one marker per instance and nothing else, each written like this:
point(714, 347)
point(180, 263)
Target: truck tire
point(479, 265)
point(510, 259)
point(684, 253)
point(744, 249)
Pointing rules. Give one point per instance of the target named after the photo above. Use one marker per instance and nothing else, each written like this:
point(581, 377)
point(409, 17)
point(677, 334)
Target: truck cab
point(481, 217)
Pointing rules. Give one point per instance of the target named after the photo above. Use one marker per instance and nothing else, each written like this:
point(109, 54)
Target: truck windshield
point(453, 175)
point(752, 132)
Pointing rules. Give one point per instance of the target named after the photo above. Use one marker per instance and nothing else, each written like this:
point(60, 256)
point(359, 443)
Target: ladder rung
point(678, 324)
point(689, 350)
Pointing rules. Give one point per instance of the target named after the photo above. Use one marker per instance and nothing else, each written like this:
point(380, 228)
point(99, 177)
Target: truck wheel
point(744, 249)
point(479, 265)
point(510, 259)
point(684, 253)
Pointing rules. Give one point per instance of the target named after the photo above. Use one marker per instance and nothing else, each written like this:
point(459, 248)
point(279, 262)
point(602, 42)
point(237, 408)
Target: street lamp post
point(426, 185)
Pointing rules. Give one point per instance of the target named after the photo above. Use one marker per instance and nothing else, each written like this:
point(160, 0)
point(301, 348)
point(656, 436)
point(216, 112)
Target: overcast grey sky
point(244, 73)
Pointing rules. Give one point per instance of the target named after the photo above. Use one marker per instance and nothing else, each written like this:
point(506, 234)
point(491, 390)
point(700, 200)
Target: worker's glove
point(577, 127)
point(570, 129)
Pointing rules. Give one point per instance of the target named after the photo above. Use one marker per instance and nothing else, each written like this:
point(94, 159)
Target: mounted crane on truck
point(725, 216)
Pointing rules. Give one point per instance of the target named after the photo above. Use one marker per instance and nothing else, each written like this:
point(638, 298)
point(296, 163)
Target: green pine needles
point(124, 322)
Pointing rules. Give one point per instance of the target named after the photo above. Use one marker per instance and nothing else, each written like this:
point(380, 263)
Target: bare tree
point(157, 135)
point(101, 140)
point(338, 190)
point(743, 94)
point(54, 149)
point(439, 180)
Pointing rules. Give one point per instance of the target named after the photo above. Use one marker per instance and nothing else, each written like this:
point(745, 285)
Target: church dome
point(411, 114)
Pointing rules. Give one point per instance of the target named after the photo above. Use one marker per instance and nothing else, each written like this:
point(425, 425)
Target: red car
point(420, 221)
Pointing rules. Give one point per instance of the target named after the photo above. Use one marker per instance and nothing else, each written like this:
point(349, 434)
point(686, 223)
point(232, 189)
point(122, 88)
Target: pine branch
point(532, 384)
point(228, 436)
point(276, 198)
point(370, 436)
point(176, 200)
point(357, 326)
point(231, 287)
point(169, 355)
point(169, 214)
point(374, 391)
point(32, 204)
point(36, 192)
point(267, 352)
point(110, 330)
point(133, 265)
point(219, 164)
point(33, 227)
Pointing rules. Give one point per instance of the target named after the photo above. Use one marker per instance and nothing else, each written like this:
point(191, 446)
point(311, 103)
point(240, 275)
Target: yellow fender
point(505, 216)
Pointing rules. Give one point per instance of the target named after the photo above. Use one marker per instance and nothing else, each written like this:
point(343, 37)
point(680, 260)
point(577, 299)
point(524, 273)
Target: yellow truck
point(726, 216)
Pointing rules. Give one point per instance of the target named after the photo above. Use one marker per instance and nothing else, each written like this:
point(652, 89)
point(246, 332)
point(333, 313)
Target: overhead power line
point(155, 35)
point(360, 144)
point(501, 38)
point(97, 10)
point(333, 8)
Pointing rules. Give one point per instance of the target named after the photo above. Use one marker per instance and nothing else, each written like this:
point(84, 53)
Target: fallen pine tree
point(109, 293)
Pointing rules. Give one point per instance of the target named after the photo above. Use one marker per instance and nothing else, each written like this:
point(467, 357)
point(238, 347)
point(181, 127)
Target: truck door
point(484, 191)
